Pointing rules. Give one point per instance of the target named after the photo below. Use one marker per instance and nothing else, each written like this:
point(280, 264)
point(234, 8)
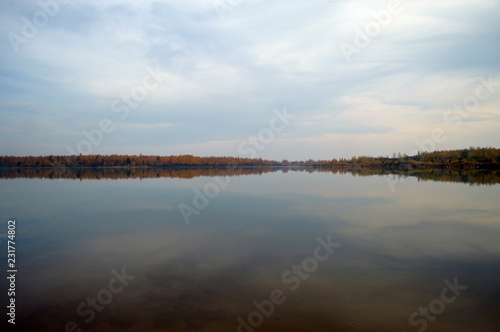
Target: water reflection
point(396, 250)
point(473, 177)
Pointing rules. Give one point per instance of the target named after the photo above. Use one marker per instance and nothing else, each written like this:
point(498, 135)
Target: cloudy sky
point(358, 77)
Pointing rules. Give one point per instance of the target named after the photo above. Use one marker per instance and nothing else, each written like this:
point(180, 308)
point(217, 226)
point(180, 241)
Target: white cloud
point(223, 76)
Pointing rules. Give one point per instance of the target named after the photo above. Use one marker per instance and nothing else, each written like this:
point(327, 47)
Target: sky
point(294, 80)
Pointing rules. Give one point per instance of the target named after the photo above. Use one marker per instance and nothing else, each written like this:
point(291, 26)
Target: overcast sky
point(223, 69)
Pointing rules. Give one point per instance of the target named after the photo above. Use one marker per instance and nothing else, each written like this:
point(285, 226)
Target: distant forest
point(471, 158)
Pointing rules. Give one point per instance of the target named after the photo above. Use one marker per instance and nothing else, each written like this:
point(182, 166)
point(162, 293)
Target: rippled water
point(251, 256)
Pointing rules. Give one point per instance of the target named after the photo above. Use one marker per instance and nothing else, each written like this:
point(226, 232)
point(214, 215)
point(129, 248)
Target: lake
point(249, 251)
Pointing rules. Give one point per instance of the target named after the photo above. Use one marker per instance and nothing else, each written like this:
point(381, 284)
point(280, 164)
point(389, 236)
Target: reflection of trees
point(478, 177)
point(473, 177)
point(137, 172)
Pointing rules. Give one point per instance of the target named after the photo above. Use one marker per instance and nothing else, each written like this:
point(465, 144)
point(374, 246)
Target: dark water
point(425, 256)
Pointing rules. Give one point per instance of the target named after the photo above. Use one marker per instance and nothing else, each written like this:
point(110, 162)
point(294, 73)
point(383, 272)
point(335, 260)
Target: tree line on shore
point(465, 158)
point(472, 157)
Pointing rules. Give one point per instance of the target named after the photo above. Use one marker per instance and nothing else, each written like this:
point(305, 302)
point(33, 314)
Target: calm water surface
point(396, 254)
